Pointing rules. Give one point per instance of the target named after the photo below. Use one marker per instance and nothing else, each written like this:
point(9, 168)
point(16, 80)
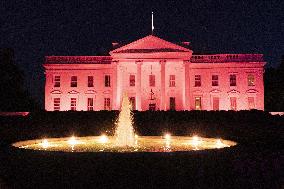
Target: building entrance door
point(215, 103)
point(172, 103)
point(197, 103)
point(133, 103)
point(152, 107)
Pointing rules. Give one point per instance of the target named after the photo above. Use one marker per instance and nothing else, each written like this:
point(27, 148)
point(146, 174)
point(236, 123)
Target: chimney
point(186, 43)
point(114, 45)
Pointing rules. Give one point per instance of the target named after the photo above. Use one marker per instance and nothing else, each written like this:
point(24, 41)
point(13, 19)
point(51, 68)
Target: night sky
point(36, 28)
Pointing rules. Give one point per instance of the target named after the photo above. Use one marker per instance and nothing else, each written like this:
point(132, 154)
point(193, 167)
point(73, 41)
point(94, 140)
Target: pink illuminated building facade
point(156, 75)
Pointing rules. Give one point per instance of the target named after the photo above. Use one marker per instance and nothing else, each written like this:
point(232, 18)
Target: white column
point(163, 87)
point(114, 85)
point(186, 105)
point(119, 85)
point(138, 85)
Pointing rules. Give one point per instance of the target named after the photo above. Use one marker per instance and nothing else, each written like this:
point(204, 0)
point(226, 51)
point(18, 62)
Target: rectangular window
point(132, 102)
point(90, 104)
point(132, 80)
point(172, 80)
point(233, 80)
point(233, 101)
point(251, 104)
point(152, 80)
point(250, 80)
point(107, 80)
point(215, 81)
point(215, 103)
point(57, 81)
point(90, 81)
point(56, 104)
point(107, 104)
point(73, 81)
point(73, 104)
point(197, 103)
point(172, 103)
point(197, 81)
point(152, 107)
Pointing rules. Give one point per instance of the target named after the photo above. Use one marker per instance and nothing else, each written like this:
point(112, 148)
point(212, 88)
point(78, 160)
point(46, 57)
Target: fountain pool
point(108, 144)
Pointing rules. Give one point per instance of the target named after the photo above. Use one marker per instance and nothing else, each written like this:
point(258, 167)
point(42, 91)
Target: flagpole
point(152, 22)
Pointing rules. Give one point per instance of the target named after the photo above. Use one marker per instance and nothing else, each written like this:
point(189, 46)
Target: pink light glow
point(154, 56)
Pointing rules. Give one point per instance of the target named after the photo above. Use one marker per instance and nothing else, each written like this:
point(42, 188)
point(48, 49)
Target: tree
point(13, 96)
point(274, 88)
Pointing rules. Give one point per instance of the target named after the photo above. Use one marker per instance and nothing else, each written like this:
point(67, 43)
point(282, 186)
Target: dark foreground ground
point(256, 162)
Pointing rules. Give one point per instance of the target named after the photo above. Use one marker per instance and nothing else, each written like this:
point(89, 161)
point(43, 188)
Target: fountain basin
point(108, 144)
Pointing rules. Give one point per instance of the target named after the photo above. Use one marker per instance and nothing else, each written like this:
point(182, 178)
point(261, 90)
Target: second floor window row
point(232, 80)
point(152, 82)
point(90, 81)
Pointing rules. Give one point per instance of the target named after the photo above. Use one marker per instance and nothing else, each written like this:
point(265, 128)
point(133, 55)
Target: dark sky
point(36, 28)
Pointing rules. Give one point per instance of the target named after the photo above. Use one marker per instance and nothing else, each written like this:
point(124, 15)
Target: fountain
point(125, 140)
point(124, 132)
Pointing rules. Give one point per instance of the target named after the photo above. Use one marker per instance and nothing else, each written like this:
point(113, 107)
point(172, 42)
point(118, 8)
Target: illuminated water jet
point(124, 131)
point(72, 141)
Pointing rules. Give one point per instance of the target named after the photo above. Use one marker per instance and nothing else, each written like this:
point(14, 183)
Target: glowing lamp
point(195, 141)
point(103, 139)
point(167, 136)
point(72, 141)
point(136, 136)
point(219, 143)
point(45, 143)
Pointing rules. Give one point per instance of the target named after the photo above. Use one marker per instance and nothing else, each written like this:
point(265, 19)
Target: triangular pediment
point(150, 45)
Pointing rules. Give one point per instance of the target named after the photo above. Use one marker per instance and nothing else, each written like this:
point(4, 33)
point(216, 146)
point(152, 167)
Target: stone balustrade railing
point(78, 60)
point(216, 58)
point(220, 58)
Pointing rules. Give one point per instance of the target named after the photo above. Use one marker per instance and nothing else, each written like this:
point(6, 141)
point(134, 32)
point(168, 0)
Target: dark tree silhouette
point(274, 88)
point(13, 96)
